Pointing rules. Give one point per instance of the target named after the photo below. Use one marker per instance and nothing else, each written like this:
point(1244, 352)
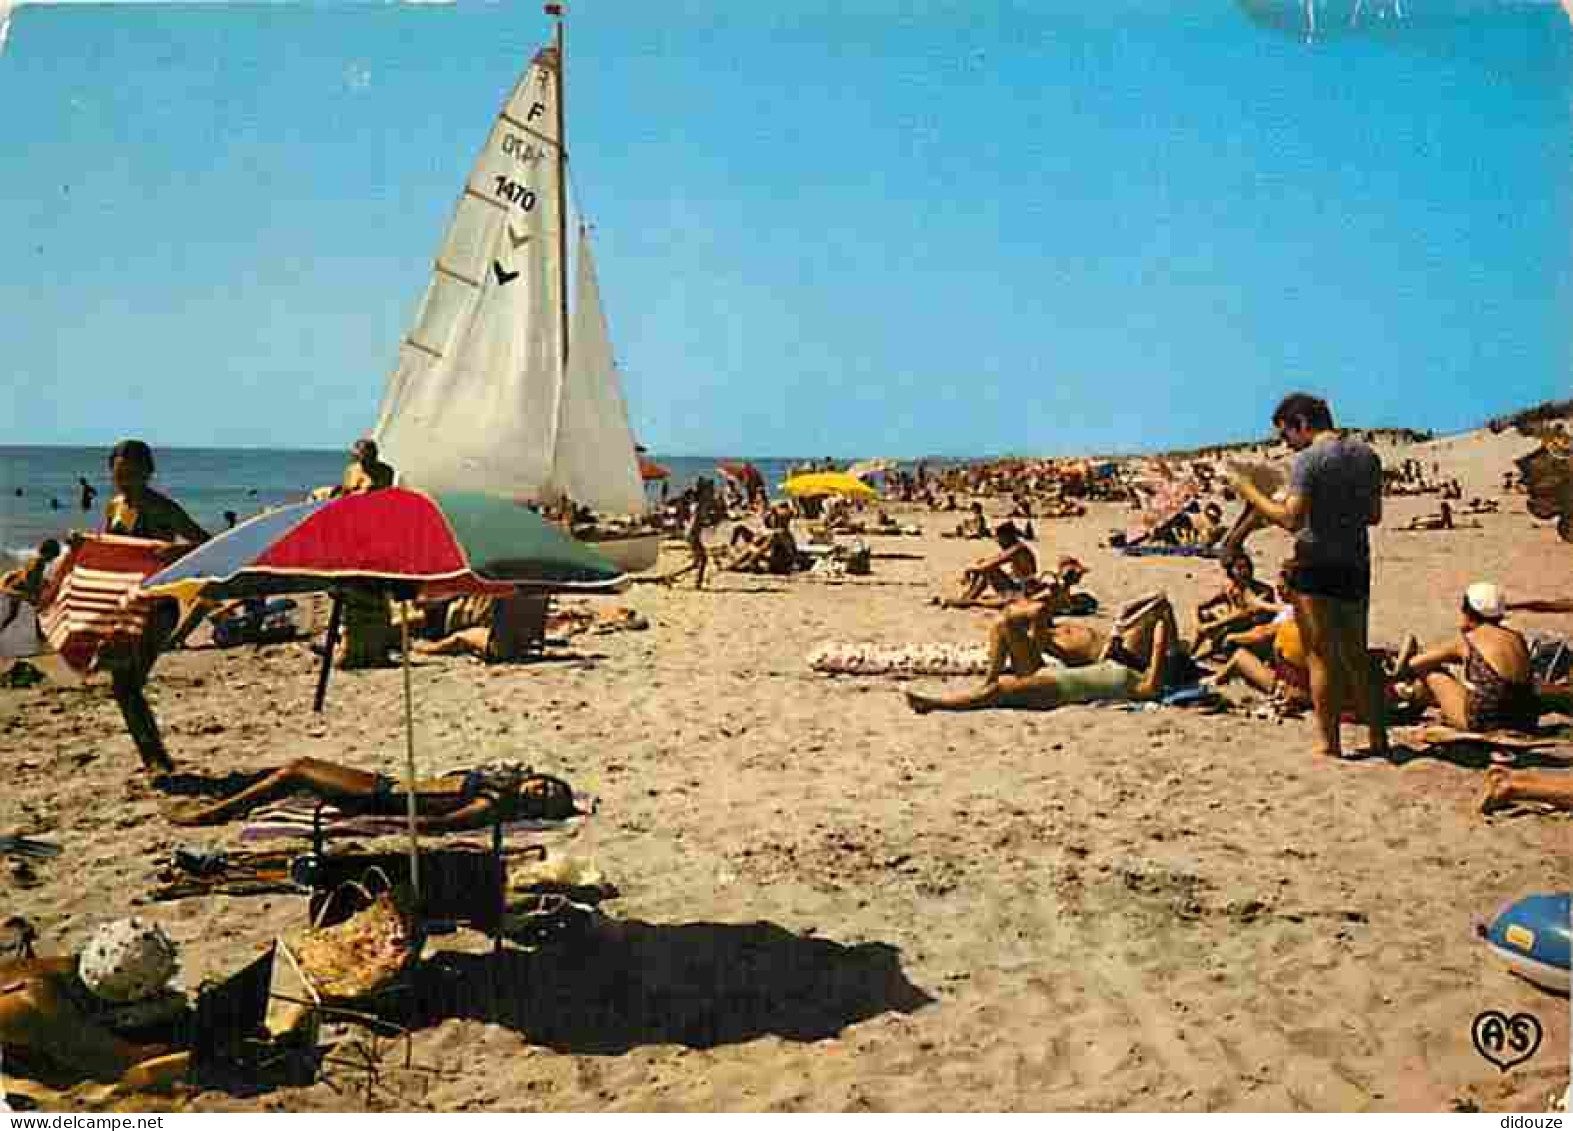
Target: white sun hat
point(127, 960)
point(1486, 599)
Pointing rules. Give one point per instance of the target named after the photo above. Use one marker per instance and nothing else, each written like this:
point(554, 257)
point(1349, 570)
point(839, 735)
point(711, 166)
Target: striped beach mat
point(1168, 551)
point(89, 600)
point(294, 817)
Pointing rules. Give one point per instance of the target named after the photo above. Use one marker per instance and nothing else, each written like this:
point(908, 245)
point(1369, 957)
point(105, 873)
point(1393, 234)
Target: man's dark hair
point(1007, 533)
point(134, 451)
point(1305, 410)
point(1229, 561)
point(49, 548)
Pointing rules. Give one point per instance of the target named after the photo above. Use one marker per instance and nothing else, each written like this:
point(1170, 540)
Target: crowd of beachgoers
point(1277, 605)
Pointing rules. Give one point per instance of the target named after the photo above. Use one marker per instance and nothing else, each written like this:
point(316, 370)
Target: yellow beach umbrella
point(828, 483)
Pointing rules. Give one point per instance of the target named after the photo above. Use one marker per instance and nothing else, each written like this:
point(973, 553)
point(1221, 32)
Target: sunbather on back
point(459, 799)
point(1143, 658)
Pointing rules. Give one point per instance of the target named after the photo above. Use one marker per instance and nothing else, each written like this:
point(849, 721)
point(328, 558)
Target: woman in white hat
point(1494, 689)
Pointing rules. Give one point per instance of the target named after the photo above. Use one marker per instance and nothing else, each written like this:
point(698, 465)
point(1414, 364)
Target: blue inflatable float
point(1532, 938)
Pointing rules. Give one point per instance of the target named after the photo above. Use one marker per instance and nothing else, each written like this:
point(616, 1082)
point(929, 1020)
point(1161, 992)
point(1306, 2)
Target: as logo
point(1503, 1040)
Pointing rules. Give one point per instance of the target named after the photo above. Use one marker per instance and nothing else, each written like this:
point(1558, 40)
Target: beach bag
point(361, 955)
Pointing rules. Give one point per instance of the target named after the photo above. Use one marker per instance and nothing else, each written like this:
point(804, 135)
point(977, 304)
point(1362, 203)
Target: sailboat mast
point(562, 183)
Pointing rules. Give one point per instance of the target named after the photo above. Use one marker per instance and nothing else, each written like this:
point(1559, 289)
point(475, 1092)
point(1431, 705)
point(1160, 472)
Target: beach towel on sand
point(853, 657)
point(1165, 551)
point(295, 817)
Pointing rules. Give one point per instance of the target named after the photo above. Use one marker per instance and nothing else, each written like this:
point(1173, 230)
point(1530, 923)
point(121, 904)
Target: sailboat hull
point(632, 553)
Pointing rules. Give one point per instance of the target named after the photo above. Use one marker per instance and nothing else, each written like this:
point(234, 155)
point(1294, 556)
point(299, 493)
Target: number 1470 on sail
point(515, 193)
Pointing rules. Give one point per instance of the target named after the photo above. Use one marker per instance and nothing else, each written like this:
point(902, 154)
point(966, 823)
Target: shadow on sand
point(1468, 755)
point(630, 983)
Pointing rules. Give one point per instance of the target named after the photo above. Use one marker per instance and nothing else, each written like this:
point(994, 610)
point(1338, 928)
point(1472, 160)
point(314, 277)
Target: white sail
point(595, 462)
point(472, 403)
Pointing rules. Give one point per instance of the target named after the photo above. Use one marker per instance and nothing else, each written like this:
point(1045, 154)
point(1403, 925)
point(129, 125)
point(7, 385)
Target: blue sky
point(838, 228)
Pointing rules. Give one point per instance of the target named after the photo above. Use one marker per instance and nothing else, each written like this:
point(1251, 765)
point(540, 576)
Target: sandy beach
point(830, 903)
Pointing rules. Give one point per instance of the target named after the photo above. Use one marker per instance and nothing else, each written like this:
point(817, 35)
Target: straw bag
point(361, 955)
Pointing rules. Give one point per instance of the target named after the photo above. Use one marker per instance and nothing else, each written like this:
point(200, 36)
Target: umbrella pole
point(335, 618)
point(409, 765)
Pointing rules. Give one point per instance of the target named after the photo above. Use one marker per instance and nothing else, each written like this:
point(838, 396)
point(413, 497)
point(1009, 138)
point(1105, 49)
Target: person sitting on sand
point(1283, 675)
point(61, 1014)
point(1208, 528)
point(975, 525)
point(25, 585)
point(1506, 787)
point(1495, 689)
point(457, 800)
point(368, 626)
point(770, 551)
point(1242, 603)
point(1143, 658)
point(495, 629)
point(1005, 573)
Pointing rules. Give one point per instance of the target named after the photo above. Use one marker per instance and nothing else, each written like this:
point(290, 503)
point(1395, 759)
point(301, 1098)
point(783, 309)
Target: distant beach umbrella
point(865, 468)
point(649, 470)
point(828, 483)
point(743, 473)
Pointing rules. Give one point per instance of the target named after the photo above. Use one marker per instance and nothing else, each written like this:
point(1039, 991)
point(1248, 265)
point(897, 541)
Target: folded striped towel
point(91, 601)
point(295, 817)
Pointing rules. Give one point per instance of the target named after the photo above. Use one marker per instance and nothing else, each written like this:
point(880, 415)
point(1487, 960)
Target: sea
point(41, 496)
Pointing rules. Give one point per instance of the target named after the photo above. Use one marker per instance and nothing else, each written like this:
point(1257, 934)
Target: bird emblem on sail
point(517, 240)
point(503, 275)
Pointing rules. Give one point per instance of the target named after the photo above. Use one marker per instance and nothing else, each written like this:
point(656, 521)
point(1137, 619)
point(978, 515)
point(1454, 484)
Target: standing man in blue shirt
point(1335, 495)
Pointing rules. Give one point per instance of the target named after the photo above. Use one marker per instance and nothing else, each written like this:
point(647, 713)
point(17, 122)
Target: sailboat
point(497, 389)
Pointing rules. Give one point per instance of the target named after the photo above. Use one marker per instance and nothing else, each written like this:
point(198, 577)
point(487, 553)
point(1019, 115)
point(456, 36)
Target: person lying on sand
point(1541, 605)
point(1140, 660)
point(1442, 520)
point(1495, 689)
point(61, 1013)
point(1006, 573)
point(459, 799)
point(1506, 787)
